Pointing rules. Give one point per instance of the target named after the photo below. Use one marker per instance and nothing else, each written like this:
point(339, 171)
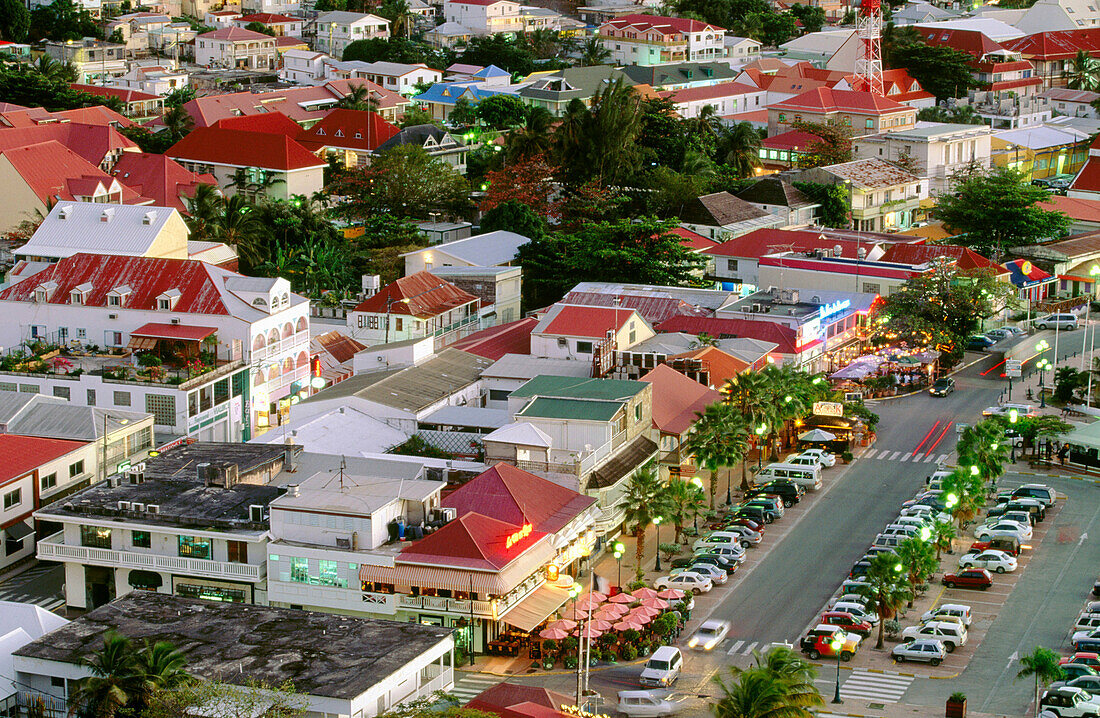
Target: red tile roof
point(1084, 210)
point(666, 25)
point(160, 178)
point(427, 296)
point(1015, 84)
point(95, 115)
point(653, 309)
point(709, 92)
point(147, 278)
point(586, 321)
point(1088, 179)
point(693, 240)
point(824, 99)
point(179, 332)
point(53, 171)
point(472, 540)
point(215, 145)
point(234, 34)
point(122, 93)
point(735, 328)
point(301, 104)
point(917, 254)
point(19, 455)
point(267, 18)
point(517, 497)
point(1057, 44)
point(494, 342)
point(676, 399)
point(92, 142)
point(272, 123)
point(348, 129)
point(972, 42)
point(759, 242)
point(339, 346)
point(791, 140)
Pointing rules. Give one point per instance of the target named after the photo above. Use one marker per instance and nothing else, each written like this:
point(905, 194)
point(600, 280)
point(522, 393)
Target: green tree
point(1083, 72)
point(779, 685)
point(1067, 382)
point(533, 139)
point(400, 16)
point(748, 393)
point(215, 699)
point(1042, 664)
point(463, 113)
point(984, 445)
point(15, 20)
point(886, 589)
point(959, 115)
point(398, 49)
point(543, 43)
point(719, 439)
point(661, 134)
point(836, 203)
point(179, 96)
point(965, 494)
point(594, 52)
point(239, 226)
point(685, 501)
point(920, 561)
point(501, 51)
point(812, 17)
point(778, 28)
point(739, 148)
point(501, 111)
point(116, 679)
point(941, 70)
point(996, 210)
point(600, 143)
point(404, 181)
point(943, 534)
point(63, 20)
point(833, 147)
point(644, 499)
point(513, 216)
point(358, 97)
point(260, 28)
point(417, 115)
point(669, 193)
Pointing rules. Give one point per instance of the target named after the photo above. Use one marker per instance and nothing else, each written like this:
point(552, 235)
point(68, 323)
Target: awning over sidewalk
point(1087, 436)
point(536, 608)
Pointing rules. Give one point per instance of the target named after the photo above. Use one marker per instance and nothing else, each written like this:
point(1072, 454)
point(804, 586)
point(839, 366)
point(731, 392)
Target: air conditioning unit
point(137, 506)
point(153, 508)
point(343, 543)
point(562, 342)
point(112, 316)
point(256, 513)
point(449, 513)
point(175, 321)
point(123, 505)
point(114, 481)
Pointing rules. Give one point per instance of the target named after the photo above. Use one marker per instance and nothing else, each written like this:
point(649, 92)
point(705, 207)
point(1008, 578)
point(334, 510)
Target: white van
point(955, 610)
point(900, 530)
point(884, 541)
point(918, 522)
point(663, 667)
point(1087, 622)
point(719, 539)
point(808, 477)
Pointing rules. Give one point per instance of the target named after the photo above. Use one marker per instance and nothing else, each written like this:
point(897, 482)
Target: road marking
point(469, 687)
point(749, 648)
point(943, 458)
point(929, 457)
point(895, 455)
point(865, 685)
point(734, 647)
point(870, 454)
point(907, 457)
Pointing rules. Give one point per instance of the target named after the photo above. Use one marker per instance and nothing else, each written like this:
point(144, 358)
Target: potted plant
point(956, 705)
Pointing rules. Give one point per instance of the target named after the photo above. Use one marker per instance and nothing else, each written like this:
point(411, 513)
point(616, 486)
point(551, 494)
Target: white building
point(936, 150)
point(397, 77)
point(234, 47)
point(587, 333)
point(153, 79)
point(484, 17)
point(1051, 15)
point(337, 29)
point(414, 307)
point(304, 67)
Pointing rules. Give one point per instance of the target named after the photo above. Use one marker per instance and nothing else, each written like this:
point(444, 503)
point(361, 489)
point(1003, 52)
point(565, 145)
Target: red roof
point(1085, 210)
point(693, 240)
point(512, 700)
point(235, 34)
point(676, 399)
point(241, 148)
point(1014, 84)
point(1088, 179)
point(824, 99)
point(177, 332)
point(427, 296)
point(709, 92)
point(147, 278)
point(301, 104)
point(721, 366)
point(272, 123)
point(53, 171)
point(791, 140)
point(517, 497)
point(480, 2)
point(661, 23)
point(653, 309)
point(972, 42)
point(585, 321)
point(495, 342)
point(348, 129)
point(267, 18)
point(472, 540)
point(735, 328)
point(759, 242)
point(19, 455)
point(160, 178)
point(122, 93)
point(92, 142)
point(1057, 44)
point(917, 254)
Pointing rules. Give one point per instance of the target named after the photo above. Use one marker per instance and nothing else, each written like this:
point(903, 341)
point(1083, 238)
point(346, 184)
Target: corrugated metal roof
point(578, 409)
point(482, 250)
point(74, 227)
point(422, 295)
point(417, 387)
point(583, 321)
point(63, 420)
point(21, 454)
point(568, 387)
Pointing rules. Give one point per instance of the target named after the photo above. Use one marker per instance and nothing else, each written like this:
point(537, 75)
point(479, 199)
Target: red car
point(1088, 659)
point(1009, 547)
point(969, 578)
point(748, 523)
point(847, 621)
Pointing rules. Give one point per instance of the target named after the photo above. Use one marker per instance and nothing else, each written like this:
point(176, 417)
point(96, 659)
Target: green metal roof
point(572, 387)
point(579, 409)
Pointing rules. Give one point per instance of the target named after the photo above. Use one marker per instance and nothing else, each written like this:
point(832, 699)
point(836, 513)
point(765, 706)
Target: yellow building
point(1040, 152)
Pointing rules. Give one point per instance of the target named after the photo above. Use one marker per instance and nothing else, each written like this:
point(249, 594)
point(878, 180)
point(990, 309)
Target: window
point(81, 333)
point(48, 481)
point(584, 347)
point(498, 394)
point(299, 569)
point(91, 397)
point(870, 288)
point(164, 304)
point(237, 551)
point(95, 536)
point(13, 498)
point(638, 411)
point(76, 469)
point(162, 407)
point(869, 123)
point(114, 300)
point(731, 265)
point(141, 539)
point(61, 392)
point(328, 575)
point(112, 339)
point(195, 547)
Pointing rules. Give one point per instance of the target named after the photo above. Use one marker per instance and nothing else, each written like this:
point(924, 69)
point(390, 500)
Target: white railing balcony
point(436, 603)
point(54, 548)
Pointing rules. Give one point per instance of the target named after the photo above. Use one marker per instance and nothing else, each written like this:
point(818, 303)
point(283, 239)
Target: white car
point(928, 650)
point(649, 704)
point(709, 635)
point(1005, 409)
point(944, 610)
point(952, 635)
point(687, 581)
point(752, 537)
point(826, 459)
point(1089, 635)
point(716, 575)
point(993, 560)
point(858, 610)
point(1003, 529)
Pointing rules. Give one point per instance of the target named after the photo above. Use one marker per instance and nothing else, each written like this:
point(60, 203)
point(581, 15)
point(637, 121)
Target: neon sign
point(832, 308)
point(518, 536)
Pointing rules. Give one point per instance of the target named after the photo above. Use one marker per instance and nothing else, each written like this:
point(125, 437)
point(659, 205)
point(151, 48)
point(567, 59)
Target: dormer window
point(166, 302)
point(76, 298)
point(79, 293)
point(259, 302)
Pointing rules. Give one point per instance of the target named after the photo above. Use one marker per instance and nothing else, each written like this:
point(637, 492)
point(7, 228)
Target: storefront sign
point(828, 408)
point(518, 536)
point(828, 310)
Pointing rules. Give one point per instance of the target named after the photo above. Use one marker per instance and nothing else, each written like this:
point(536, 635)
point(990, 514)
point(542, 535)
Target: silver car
point(927, 650)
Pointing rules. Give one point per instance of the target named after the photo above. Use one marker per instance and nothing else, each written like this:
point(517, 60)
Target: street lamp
point(1092, 342)
point(619, 560)
point(760, 448)
point(837, 644)
point(1013, 417)
point(120, 422)
point(657, 523)
point(697, 483)
point(1042, 366)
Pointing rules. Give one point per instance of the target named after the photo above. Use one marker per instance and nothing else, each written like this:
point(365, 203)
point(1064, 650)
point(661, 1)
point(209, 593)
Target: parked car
point(748, 536)
point(1028, 410)
point(755, 513)
point(996, 561)
point(942, 387)
point(1086, 622)
point(663, 667)
point(958, 610)
point(858, 610)
point(1057, 321)
point(1086, 683)
point(819, 642)
point(1076, 670)
point(1086, 640)
point(1068, 702)
point(694, 582)
point(847, 621)
point(1002, 529)
point(859, 568)
point(1096, 588)
point(1082, 658)
point(1036, 491)
point(969, 578)
point(757, 526)
point(952, 635)
point(789, 491)
point(772, 505)
point(709, 635)
point(648, 704)
point(998, 334)
point(979, 342)
point(726, 566)
point(926, 650)
point(827, 460)
point(718, 576)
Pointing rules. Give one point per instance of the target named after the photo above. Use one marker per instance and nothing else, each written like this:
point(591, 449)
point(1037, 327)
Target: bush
point(628, 652)
point(570, 662)
point(892, 628)
point(148, 359)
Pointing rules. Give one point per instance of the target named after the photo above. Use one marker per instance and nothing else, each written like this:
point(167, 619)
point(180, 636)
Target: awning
point(1085, 435)
point(141, 344)
point(175, 332)
point(145, 579)
point(536, 608)
point(19, 530)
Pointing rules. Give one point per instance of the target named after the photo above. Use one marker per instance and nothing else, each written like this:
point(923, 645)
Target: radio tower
point(869, 30)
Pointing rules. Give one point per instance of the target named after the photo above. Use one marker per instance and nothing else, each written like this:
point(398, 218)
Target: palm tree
point(779, 685)
point(1083, 73)
point(644, 500)
point(920, 561)
point(885, 589)
point(359, 97)
point(203, 206)
point(707, 121)
point(399, 15)
point(703, 340)
point(789, 399)
point(739, 148)
point(984, 445)
point(748, 393)
point(116, 679)
point(177, 122)
point(594, 52)
point(54, 70)
point(685, 500)
point(696, 164)
point(533, 139)
point(161, 666)
point(786, 664)
point(1042, 663)
point(543, 43)
point(239, 227)
point(719, 438)
point(943, 533)
point(967, 490)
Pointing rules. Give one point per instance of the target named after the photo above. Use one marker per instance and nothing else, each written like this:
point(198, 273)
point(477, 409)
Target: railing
point(443, 678)
point(54, 548)
point(278, 347)
point(451, 605)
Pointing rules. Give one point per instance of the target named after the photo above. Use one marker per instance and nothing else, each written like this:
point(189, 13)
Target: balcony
point(54, 548)
point(299, 341)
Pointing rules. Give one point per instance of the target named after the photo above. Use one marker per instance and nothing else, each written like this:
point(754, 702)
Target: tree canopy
point(941, 70)
point(404, 181)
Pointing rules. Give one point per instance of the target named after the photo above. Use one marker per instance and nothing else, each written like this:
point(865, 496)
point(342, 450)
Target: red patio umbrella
point(628, 624)
point(655, 602)
point(671, 594)
point(588, 632)
point(563, 623)
point(644, 610)
point(642, 618)
point(600, 597)
point(622, 598)
point(587, 603)
point(644, 593)
point(614, 610)
point(553, 634)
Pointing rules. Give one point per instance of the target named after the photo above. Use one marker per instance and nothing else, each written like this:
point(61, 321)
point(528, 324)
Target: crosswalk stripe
point(734, 647)
point(749, 648)
point(884, 688)
point(907, 457)
point(943, 458)
point(870, 453)
point(929, 457)
point(895, 455)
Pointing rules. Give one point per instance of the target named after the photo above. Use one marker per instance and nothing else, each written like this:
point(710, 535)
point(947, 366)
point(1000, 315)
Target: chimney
point(290, 460)
point(293, 490)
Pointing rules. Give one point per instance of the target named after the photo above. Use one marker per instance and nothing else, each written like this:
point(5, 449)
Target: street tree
point(644, 500)
point(995, 210)
point(779, 684)
point(1042, 664)
point(834, 145)
point(748, 394)
point(404, 181)
point(984, 445)
point(886, 589)
point(943, 536)
point(919, 558)
point(719, 439)
point(685, 502)
point(941, 70)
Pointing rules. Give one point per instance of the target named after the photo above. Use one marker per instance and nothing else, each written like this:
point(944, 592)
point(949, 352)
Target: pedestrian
point(1062, 453)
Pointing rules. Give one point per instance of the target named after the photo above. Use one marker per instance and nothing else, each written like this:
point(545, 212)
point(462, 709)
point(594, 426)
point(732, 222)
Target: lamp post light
point(837, 644)
point(657, 523)
point(1042, 366)
point(1013, 417)
point(697, 483)
point(619, 560)
point(760, 447)
point(1092, 341)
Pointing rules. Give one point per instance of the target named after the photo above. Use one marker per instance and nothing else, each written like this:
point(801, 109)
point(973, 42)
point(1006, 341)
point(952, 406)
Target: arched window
point(258, 378)
point(303, 360)
point(259, 342)
point(303, 325)
point(288, 330)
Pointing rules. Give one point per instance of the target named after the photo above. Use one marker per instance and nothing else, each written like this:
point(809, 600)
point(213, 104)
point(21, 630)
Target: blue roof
point(492, 71)
point(448, 93)
point(1017, 277)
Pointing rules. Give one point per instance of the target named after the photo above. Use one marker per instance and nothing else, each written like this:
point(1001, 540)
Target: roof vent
point(838, 251)
point(148, 218)
point(64, 212)
point(106, 215)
